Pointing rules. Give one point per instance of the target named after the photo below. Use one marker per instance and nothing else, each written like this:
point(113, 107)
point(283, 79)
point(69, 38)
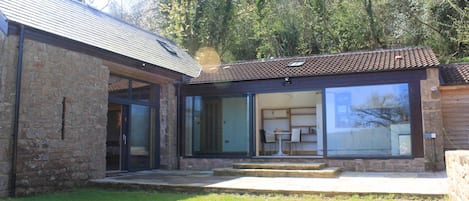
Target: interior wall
point(285, 100)
point(288, 99)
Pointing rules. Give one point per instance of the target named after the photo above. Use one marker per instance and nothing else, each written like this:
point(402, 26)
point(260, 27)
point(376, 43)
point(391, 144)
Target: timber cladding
point(455, 108)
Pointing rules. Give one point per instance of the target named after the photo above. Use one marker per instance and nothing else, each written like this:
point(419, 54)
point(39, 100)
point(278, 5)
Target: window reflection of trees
point(381, 110)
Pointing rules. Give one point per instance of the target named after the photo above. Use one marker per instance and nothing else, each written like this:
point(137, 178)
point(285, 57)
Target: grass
point(93, 194)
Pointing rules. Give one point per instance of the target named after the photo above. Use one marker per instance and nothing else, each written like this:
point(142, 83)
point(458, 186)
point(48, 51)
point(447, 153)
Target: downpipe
point(19, 70)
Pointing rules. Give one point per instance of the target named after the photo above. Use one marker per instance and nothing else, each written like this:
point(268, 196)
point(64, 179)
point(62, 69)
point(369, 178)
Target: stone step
point(329, 172)
point(280, 165)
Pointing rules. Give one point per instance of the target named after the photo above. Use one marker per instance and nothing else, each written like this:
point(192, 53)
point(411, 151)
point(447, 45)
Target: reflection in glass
point(113, 137)
point(142, 91)
point(118, 87)
point(140, 129)
point(216, 125)
point(368, 120)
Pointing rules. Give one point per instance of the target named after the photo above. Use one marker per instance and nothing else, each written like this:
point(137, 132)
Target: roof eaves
point(382, 61)
point(297, 76)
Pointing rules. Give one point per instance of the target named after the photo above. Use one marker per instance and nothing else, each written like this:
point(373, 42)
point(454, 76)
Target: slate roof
point(320, 65)
point(455, 74)
point(79, 22)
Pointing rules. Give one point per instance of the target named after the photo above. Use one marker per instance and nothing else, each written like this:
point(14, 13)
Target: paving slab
point(423, 183)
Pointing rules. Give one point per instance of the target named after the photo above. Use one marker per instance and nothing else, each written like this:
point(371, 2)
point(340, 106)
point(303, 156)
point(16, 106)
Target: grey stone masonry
point(432, 120)
point(49, 159)
point(457, 169)
point(168, 127)
point(361, 165)
point(8, 55)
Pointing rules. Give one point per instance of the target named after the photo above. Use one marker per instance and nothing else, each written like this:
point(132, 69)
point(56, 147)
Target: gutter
point(19, 70)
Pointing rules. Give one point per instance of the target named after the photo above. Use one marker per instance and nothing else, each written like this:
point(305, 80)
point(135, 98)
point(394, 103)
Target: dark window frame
point(250, 125)
point(411, 77)
point(413, 128)
point(155, 105)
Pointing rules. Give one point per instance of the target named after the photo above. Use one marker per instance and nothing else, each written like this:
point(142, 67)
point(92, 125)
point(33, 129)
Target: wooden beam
point(135, 73)
point(454, 87)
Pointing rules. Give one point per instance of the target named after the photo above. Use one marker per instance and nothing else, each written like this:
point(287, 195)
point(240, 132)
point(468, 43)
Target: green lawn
point(92, 194)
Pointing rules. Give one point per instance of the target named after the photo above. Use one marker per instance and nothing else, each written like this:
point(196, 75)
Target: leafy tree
point(240, 41)
point(250, 29)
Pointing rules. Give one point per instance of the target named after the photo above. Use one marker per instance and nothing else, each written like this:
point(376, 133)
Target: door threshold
point(114, 173)
point(289, 157)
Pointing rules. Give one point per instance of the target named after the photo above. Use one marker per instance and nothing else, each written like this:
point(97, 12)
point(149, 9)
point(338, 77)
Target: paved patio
point(426, 183)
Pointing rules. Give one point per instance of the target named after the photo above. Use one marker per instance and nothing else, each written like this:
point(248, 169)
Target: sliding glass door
point(217, 125)
point(290, 124)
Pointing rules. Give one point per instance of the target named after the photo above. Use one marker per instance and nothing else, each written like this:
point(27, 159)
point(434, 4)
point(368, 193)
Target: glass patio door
point(116, 138)
point(133, 125)
point(139, 138)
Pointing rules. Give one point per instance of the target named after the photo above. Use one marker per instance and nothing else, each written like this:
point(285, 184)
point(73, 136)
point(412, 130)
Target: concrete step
point(329, 172)
point(280, 166)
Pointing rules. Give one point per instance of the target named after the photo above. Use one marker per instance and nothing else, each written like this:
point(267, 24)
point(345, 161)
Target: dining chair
point(295, 138)
point(267, 139)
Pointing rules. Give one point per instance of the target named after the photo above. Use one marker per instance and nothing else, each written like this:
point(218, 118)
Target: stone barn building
point(62, 64)
point(83, 94)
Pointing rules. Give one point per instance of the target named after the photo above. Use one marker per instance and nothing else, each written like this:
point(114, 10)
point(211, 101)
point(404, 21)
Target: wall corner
point(432, 121)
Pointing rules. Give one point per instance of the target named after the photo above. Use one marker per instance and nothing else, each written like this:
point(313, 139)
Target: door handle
point(124, 138)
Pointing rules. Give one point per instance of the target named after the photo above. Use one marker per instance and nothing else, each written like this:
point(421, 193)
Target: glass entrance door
point(116, 138)
point(140, 138)
point(128, 141)
point(133, 125)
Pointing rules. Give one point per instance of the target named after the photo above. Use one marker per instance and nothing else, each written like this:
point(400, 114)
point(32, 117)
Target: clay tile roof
point(319, 65)
point(455, 74)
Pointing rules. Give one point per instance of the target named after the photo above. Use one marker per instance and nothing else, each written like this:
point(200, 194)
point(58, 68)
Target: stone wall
point(379, 165)
point(371, 165)
point(457, 169)
point(432, 120)
point(47, 158)
point(168, 127)
point(8, 55)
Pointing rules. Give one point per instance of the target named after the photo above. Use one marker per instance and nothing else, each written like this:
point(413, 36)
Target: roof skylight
point(168, 48)
point(296, 63)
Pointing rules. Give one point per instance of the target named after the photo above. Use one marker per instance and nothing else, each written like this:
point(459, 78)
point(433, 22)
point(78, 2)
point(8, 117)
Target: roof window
point(296, 63)
point(168, 48)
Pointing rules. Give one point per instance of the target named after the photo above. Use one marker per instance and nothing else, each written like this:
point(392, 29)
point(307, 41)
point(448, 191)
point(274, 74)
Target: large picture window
point(368, 120)
point(216, 125)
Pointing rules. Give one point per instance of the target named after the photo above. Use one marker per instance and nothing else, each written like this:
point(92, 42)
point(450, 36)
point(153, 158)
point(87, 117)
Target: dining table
point(279, 134)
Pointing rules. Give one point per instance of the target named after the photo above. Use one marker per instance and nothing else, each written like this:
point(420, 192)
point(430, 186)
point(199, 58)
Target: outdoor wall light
point(286, 81)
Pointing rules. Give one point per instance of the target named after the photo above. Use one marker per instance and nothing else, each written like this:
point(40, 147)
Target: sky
point(100, 4)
